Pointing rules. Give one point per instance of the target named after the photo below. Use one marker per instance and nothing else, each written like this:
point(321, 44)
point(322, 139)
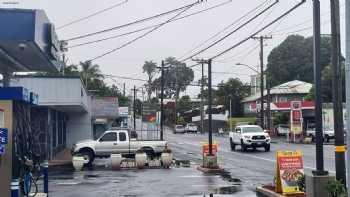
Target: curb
point(267, 192)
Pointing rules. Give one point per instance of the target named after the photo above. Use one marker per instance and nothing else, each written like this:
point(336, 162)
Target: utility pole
point(124, 89)
point(347, 76)
point(318, 91)
point(134, 109)
point(161, 102)
point(230, 112)
point(262, 38)
point(337, 94)
point(268, 106)
point(210, 110)
point(202, 104)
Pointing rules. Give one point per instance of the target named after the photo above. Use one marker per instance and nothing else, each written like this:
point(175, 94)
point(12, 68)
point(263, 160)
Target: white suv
point(248, 136)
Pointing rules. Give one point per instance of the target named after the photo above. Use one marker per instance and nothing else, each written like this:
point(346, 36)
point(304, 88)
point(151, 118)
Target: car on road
point(191, 128)
point(282, 129)
point(179, 129)
point(116, 142)
point(249, 136)
point(328, 134)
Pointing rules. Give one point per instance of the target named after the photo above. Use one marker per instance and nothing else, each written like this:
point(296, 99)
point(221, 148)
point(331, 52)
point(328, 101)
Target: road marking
point(253, 156)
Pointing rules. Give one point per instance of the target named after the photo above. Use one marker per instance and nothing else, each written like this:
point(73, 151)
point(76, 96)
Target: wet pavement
point(243, 172)
point(177, 181)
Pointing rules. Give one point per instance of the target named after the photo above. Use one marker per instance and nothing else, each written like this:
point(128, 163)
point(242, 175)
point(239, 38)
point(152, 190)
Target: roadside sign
point(205, 149)
point(3, 136)
point(289, 169)
point(296, 118)
point(2, 149)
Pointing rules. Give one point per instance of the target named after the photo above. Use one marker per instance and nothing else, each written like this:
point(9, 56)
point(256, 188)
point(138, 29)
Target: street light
point(261, 91)
point(250, 67)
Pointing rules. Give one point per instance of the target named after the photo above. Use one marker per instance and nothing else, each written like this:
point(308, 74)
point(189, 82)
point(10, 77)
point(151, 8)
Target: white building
point(63, 113)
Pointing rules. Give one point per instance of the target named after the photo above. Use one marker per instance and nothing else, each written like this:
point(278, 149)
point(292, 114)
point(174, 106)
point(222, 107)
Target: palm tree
point(90, 71)
point(150, 68)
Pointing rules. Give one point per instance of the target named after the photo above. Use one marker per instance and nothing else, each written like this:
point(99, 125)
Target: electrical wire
point(142, 35)
point(232, 32)
point(224, 29)
point(92, 15)
point(149, 27)
point(131, 23)
point(260, 30)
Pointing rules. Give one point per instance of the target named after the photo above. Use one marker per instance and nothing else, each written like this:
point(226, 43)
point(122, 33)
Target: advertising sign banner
point(3, 136)
point(296, 117)
point(289, 169)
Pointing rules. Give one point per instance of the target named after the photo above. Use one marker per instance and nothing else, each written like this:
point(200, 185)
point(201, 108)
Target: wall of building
point(79, 125)
point(6, 159)
point(55, 91)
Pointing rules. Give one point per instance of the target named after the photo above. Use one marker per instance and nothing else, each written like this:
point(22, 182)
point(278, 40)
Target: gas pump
point(19, 151)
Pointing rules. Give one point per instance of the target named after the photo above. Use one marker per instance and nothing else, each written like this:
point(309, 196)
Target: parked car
point(116, 142)
point(191, 128)
point(282, 129)
point(179, 129)
point(327, 134)
point(249, 136)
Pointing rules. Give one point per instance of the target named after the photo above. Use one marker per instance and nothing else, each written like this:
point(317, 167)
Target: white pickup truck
point(248, 136)
point(116, 142)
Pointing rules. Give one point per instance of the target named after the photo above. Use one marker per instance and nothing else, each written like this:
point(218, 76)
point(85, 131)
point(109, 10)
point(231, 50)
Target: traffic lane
point(267, 158)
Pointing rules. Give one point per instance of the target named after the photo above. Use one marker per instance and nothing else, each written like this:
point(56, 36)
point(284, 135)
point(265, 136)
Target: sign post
point(296, 116)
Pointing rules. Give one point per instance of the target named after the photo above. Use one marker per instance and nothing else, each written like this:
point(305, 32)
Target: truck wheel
point(243, 147)
point(232, 145)
point(88, 155)
point(267, 147)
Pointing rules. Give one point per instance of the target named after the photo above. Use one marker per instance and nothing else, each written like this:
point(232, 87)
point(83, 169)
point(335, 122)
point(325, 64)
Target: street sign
point(2, 149)
point(3, 136)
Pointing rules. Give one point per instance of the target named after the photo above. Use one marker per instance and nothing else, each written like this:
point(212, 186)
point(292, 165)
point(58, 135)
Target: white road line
point(252, 156)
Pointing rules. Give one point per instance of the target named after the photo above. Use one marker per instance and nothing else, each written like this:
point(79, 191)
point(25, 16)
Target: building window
point(54, 128)
point(60, 129)
point(64, 132)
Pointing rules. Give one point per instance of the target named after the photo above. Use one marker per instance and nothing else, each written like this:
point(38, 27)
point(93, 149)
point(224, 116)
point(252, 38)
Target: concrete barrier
point(78, 162)
point(140, 160)
point(166, 159)
point(116, 160)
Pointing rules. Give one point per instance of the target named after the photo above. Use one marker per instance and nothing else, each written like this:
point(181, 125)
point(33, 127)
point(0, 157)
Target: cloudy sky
point(177, 38)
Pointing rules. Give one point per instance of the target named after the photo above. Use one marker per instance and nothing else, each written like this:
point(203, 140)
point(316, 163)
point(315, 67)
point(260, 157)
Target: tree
point(184, 104)
point(150, 68)
point(176, 78)
point(293, 59)
point(327, 88)
point(89, 72)
point(235, 90)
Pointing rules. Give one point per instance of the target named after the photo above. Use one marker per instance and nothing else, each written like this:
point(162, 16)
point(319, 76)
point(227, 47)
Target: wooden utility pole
point(337, 94)
point(261, 39)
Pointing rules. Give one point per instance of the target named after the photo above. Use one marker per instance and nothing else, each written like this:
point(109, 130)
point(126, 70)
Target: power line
point(132, 23)
point(225, 28)
point(232, 32)
point(260, 30)
point(148, 27)
point(143, 35)
point(92, 15)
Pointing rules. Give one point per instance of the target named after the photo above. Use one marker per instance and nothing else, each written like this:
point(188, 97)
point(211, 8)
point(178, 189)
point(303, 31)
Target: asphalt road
point(252, 167)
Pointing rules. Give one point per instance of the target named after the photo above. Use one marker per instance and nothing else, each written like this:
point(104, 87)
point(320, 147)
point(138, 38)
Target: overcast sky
point(177, 38)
